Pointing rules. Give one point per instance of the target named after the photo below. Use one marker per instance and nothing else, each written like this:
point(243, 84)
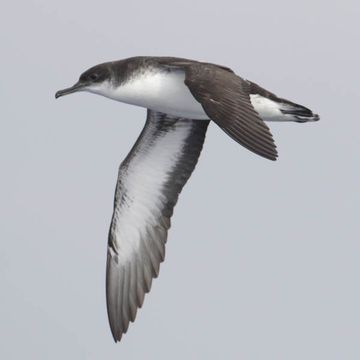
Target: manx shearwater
point(181, 96)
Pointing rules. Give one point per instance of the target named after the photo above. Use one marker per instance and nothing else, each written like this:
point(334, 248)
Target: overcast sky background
point(262, 259)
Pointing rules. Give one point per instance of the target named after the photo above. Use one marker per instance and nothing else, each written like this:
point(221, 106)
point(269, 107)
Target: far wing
point(225, 98)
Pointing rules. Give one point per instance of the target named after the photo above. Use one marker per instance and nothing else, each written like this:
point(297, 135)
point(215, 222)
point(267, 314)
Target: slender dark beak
point(77, 87)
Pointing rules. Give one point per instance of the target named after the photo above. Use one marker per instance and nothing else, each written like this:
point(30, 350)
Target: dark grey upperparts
point(121, 71)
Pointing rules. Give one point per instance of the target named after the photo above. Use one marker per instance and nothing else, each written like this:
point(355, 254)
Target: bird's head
point(96, 79)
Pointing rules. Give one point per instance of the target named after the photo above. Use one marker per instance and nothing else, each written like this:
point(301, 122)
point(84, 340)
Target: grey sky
point(262, 259)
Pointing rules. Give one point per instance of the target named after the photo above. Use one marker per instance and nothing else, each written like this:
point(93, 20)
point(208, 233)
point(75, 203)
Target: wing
point(225, 98)
point(149, 183)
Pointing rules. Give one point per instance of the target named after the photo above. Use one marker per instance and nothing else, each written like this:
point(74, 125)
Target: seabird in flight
point(181, 96)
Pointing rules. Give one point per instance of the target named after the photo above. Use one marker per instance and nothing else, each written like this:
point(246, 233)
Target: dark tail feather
point(299, 112)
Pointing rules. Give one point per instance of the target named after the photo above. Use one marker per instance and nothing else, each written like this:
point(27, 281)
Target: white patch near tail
point(268, 110)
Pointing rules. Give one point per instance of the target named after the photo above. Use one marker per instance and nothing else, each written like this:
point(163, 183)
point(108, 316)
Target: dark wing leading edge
point(149, 183)
point(225, 98)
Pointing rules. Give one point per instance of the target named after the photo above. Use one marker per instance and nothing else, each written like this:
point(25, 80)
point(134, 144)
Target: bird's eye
point(93, 76)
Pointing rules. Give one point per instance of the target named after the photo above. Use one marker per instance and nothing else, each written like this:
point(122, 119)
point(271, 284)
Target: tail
point(297, 112)
point(273, 108)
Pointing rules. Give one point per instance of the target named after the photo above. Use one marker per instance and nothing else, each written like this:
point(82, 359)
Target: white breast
point(159, 91)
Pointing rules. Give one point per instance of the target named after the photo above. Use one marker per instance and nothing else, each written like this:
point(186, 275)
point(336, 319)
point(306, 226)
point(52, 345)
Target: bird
point(182, 97)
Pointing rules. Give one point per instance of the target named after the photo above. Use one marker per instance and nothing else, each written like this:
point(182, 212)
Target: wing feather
point(149, 183)
point(225, 98)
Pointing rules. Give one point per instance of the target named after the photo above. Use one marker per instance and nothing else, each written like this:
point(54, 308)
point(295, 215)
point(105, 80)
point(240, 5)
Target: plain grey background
point(262, 259)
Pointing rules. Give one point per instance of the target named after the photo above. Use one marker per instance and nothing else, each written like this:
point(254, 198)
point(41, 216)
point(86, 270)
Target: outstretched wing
point(225, 98)
point(149, 183)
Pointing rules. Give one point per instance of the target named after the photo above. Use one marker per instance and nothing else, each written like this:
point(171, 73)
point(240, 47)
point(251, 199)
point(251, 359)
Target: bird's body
point(162, 91)
point(181, 96)
point(159, 84)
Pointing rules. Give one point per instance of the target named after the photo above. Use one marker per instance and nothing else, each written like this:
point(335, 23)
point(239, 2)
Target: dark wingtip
point(272, 157)
point(117, 335)
point(117, 339)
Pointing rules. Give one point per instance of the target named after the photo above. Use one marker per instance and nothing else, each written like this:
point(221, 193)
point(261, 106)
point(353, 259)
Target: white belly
point(159, 91)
